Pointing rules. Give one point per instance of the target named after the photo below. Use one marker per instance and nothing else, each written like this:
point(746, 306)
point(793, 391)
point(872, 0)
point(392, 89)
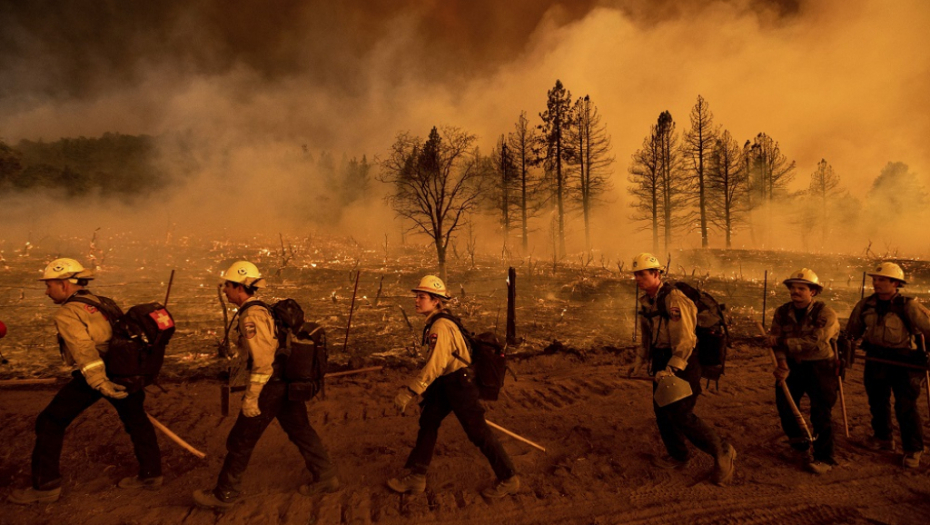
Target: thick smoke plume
point(249, 83)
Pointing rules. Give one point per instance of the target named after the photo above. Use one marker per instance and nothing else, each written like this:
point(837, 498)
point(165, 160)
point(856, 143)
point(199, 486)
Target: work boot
point(328, 486)
point(501, 488)
point(878, 444)
point(206, 499)
point(409, 484)
point(136, 482)
point(31, 495)
point(669, 463)
point(820, 467)
point(725, 465)
point(912, 459)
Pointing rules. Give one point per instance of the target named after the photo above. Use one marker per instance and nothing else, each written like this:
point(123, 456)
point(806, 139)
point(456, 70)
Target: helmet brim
point(431, 292)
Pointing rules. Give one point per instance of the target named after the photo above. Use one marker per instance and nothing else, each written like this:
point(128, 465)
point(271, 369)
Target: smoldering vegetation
point(576, 308)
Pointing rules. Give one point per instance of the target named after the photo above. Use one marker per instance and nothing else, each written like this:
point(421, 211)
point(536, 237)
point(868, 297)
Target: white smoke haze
point(843, 81)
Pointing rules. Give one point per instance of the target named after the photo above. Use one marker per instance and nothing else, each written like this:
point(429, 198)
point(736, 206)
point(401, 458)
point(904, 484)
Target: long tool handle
point(345, 344)
point(843, 404)
point(515, 436)
point(174, 437)
point(168, 293)
point(787, 392)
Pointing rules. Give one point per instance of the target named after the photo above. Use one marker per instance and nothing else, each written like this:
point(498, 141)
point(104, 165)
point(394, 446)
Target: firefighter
point(447, 384)
point(83, 336)
point(893, 329)
point(669, 319)
point(803, 338)
point(265, 399)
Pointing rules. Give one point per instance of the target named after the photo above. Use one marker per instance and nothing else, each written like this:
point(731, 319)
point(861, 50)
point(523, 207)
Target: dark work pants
point(74, 398)
point(677, 421)
point(456, 393)
point(292, 415)
point(881, 380)
point(818, 380)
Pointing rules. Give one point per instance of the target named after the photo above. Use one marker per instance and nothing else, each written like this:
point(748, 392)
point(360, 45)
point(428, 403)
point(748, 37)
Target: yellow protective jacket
point(257, 337)
point(881, 325)
point(674, 328)
point(84, 335)
point(443, 342)
point(811, 339)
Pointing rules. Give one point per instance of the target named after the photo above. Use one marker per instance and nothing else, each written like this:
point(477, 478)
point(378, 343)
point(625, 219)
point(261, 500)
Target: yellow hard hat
point(805, 276)
point(671, 389)
point(245, 273)
point(434, 286)
point(66, 269)
point(646, 261)
point(889, 270)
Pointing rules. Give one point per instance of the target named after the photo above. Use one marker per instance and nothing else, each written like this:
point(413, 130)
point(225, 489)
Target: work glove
point(112, 390)
point(403, 398)
point(771, 340)
point(780, 373)
point(250, 400)
point(669, 371)
point(635, 367)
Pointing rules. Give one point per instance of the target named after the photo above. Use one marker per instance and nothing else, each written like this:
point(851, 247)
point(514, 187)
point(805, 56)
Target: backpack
point(712, 329)
point(487, 357)
point(137, 349)
point(302, 347)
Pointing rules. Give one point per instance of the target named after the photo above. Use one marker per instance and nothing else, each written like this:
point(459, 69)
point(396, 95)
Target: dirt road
point(599, 431)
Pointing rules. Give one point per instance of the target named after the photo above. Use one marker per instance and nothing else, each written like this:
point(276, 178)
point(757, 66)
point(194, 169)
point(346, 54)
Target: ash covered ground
point(576, 322)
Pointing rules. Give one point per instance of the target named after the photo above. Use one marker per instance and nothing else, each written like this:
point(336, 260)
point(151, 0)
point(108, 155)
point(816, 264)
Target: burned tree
point(522, 142)
point(505, 181)
point(557, 122)
point(645, 186)
point(589, 149)
point(436, 183)
point(697, 147)
point(727, 186)
point(770, 171)
point(659, 187)
point(823, 189)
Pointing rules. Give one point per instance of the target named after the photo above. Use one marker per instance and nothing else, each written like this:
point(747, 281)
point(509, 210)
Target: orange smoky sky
point(841, 80)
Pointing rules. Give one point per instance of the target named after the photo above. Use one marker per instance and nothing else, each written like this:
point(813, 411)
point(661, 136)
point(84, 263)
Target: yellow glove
point(250, 400)
point(635, 367)
point(403, 398)
point(668, 372)
point(112, 390)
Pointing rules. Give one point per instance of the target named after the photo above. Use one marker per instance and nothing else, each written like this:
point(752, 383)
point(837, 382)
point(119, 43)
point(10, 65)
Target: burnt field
point(576, 322)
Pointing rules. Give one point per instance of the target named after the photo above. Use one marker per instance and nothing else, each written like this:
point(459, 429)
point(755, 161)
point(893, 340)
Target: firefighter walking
point(892, 327)
point(669, 320)
point(84, 334)
point(803, 335)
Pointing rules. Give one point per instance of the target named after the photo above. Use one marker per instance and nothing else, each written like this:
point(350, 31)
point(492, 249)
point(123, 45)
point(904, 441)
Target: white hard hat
point(646, 261)
point(245, 273)
point(434, 286)
point(66, 269)
point(805, 276)
point(889, 270)
point(671, 389)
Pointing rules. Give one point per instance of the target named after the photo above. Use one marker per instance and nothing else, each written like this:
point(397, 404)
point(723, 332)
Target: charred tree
point(699, 141)
point(824, 188)
point(557, 123)
point(674, 182)
point(590, 154)
point(727, 186)
point(522, 142)
point(505, 184)
point(436, 183)
point(646, 186)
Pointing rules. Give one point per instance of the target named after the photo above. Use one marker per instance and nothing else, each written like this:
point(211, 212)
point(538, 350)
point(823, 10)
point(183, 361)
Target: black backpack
point(302, 347)
point(137, 349)
point(713, 333)
point(487, 357)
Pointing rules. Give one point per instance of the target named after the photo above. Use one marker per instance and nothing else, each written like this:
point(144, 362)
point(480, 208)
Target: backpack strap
point(109, 309)
point(458, 323)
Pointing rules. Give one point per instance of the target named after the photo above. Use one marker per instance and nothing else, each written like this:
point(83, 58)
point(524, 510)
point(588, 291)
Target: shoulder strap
point(898, 305)
point(660, 299)
point(104, 305)
point(458, 324)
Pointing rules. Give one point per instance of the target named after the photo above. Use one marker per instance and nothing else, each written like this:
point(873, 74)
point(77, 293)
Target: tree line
point(560, 165)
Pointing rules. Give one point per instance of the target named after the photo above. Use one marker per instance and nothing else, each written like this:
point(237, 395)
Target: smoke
point(249, 83)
